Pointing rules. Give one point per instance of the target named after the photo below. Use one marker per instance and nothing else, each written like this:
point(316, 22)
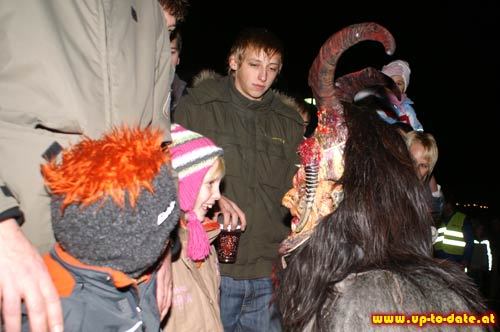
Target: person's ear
point(233, 62)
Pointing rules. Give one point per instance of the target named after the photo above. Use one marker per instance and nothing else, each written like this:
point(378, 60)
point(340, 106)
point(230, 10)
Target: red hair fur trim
point(124, 160)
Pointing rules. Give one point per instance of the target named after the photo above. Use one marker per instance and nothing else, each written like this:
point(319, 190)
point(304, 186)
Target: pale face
point(174, 53)
point(417, 151)
point(170, 20)
point(400, 82)
point(209, 191)
point(256, 73)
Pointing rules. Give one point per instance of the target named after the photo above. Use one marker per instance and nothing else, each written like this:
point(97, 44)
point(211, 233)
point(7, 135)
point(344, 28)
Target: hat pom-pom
point(198, 244)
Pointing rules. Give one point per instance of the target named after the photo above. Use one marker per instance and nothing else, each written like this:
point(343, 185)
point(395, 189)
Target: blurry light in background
point(472, 205)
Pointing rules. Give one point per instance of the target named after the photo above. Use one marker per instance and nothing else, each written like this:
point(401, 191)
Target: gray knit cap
point(128, 238)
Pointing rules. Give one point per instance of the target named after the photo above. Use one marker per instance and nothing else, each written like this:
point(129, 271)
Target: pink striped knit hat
point(192, 157)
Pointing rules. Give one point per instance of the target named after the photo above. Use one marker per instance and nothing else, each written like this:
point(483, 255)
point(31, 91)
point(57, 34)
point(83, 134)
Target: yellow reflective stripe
point(454, 233)
point(455, 243)
point(450, 239)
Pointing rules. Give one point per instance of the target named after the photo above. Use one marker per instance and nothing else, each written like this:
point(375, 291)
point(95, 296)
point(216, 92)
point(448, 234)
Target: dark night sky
point(450, 48)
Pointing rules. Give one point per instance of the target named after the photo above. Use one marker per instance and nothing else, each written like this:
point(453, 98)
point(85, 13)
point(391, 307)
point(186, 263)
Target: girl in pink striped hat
point(196, 279)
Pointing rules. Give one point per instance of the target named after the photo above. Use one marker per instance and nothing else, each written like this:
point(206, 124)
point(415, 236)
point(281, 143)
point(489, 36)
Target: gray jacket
point(101, 299)
point(67, 69)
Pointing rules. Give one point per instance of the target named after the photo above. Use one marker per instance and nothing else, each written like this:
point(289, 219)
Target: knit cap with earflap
point(398, 67)
point(192, 156)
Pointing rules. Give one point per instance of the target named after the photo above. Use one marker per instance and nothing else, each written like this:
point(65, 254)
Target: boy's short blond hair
point(256, 39)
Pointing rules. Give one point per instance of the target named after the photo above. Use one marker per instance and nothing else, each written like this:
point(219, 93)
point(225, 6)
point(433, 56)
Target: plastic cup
point(227, 244)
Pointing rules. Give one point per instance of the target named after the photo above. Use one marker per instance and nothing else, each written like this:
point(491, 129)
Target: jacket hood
point(206, 74)
point(206, 87)
point(288, 101)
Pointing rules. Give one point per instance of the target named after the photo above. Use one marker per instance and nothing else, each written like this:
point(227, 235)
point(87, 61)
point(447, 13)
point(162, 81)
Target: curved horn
point(322, 154)
point(321, 74)
point(347, 86)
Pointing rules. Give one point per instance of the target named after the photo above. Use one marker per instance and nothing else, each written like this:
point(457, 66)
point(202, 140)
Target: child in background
point(196, 277)
point(306, 115)
point(178, 85)
point(424, 151)
point(113, 204)
point(399, 71)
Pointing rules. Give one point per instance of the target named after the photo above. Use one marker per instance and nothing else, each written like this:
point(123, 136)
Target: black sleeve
point(14, 213)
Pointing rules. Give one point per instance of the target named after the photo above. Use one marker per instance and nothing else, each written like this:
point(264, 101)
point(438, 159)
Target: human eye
point(273, 69)
point(212, 181)
point(216, 182)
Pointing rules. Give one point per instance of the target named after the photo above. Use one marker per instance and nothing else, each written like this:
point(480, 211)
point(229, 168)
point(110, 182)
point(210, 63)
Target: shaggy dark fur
point(374, 253)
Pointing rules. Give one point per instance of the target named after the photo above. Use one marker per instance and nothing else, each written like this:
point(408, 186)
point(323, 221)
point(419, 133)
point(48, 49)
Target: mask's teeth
point(312, 181)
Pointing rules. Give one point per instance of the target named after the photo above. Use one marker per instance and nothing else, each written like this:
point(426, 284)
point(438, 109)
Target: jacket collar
point(256, 105)
point(118, 278)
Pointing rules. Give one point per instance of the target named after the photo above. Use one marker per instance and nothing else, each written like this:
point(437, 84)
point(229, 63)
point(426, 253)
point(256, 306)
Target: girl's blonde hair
point(429, 144)
point(221, 167)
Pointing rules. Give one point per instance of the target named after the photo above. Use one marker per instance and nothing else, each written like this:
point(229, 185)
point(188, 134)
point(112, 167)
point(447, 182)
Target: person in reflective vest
point(482, 260)
point(455, 237)
point(450, 236)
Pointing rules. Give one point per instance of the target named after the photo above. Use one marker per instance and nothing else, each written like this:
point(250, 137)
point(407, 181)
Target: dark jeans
point(246, 305)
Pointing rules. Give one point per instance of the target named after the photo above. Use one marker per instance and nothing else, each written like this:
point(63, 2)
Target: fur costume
point(361, 241)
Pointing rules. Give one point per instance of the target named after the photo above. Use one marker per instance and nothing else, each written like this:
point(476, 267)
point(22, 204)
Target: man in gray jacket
point(67, 69)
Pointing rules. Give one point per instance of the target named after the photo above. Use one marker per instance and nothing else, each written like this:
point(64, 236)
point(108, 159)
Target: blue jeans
point(246, 305)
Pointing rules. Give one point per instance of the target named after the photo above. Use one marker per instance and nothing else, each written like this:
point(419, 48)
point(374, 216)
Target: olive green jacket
point(260, 140)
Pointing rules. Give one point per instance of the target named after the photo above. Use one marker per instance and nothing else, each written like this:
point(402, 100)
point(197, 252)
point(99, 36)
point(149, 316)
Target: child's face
point(256, 72)
point(174, 53)
point(209, 192)
point(417, 151)
point(400, 82)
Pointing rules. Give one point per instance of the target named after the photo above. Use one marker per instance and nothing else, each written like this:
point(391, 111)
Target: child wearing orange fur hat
point(114, 204)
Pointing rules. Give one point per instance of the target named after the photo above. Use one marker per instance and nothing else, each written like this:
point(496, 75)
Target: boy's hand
point(164, 285)
point(232, 214)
